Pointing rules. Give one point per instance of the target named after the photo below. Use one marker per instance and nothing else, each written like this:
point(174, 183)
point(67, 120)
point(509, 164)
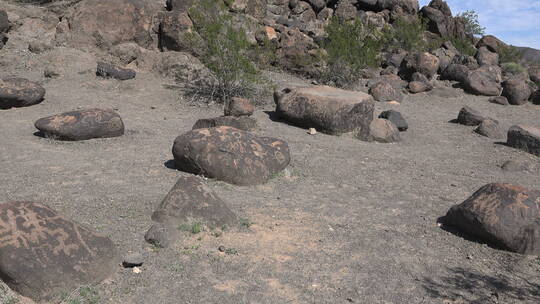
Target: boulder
point(244, 123)
point(176, 33)
point(383, 91)
point(492, 43)
point(484, 81)
point(327, 109)
point(440, 23)
point(517, 91)
point(526, 138)
point(490, 128)
point(179, 5)
point(470, 117)
point(535, 97)
point(534, 74)
point(515, 166)
point(107, 70)
point(239, 107)
point(19, 92)
point(82, 125)
point(455, 72)
point(383, 131)
point(394, 80)
point(423, 63)
point(469, 61)
point(45, 254)
point(419, 87)
point(445, 56)
point(499, 100)
point(159, 235)
point(105, 23)
point(396, 118)
point(503, 215)
point(230, 155)
point(191, 201)
point(486, 57)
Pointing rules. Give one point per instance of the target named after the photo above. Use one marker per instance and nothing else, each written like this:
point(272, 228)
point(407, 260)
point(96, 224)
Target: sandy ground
point(347, 222)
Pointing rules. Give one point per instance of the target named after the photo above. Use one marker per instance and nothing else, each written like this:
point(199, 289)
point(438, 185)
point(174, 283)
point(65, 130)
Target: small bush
point(226, 53)
point(349, 47)
point(464, 46)
point(512, 68)
point(509, 54)
point(472, 25)
point(407, 35)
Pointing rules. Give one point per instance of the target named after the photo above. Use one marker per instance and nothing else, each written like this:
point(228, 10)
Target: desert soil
point(347, 222)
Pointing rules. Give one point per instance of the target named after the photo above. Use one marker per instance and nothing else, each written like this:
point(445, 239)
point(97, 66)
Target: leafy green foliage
point(472, 25)
point(509, 54)
point(464, 46)
point(225, 54)
point(407, 34)
point(349, 47)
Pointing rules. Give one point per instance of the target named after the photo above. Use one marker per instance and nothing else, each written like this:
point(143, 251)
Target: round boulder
point(45, 254)
point(384, 131)
point(383, 91)
point(517, 91)
point(19, 92)
point(239, 107)
point(230, 155)
point(82, 125)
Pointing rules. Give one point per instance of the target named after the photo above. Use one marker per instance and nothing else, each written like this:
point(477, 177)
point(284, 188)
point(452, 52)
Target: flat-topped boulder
point(82, 125)
point(20, 92)
point(230, 155)
point(526, 138)
point(503, 215)
point(191, 200)
point(244, 123)
point(329, 110)
point(44, 254)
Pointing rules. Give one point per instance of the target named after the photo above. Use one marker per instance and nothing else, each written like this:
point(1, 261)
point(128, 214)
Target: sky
point(516, 22)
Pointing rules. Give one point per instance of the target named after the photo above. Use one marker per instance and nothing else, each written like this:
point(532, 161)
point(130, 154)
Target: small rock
point(82, 125)
point(20, 92)
point(499, 100)
point(490, 128)
point(239, 107)
point(312, 131)
point(136, 270)
point(38, 46)
point(470, 117)
point(221, 248)
point(133, 260)
point(419, 87)
point(383, 91)
point(515, 166)
point(384, 131)
point(158, 235)
point(109, 71)
point(244, 123)
point(526, 138)
point(396, 118)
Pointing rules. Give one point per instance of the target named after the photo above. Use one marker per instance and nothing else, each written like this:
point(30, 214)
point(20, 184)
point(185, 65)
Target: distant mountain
point(530, 55)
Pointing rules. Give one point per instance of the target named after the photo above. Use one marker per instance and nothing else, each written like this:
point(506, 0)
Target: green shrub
point(407, 34)
point(509, 54)
point(464, 46)
point(512, 68)
point(472, 25)
point(350, 46)
point(225, 54)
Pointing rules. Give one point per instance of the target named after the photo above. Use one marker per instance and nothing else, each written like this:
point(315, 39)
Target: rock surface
point(329, 110)
point(191, 201)
point(19, 92)
point(239, 107)
point(484, 81)
point(230, 155)
point(526, 138)
point(504, 215)
point(44, 254)
point(82, 125)
point(470, 117)
point(517, 91)
point(384, 131)
point(396, 118)
point(107, 70)
point(383, 91)
point(490, 128)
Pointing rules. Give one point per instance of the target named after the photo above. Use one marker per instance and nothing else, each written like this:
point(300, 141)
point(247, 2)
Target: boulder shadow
point(274, 116)
point(170, 164)
point(468, 237)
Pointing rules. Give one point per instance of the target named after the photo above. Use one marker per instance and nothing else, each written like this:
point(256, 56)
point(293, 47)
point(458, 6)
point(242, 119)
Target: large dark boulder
point(230, 155)
point(526, 138)
point(423, 63)
point(492, 43)
point(327, 109)
point(486, 57)
point(19, 92)
point(176, 33)
point(470, 117)
point(455, 72)
point(485, 80)
point(43, 254)
point(517, 91)
point(190, 200)
point(440, 21)
point(82, 125)
point(503, 215)
point(396, 118)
